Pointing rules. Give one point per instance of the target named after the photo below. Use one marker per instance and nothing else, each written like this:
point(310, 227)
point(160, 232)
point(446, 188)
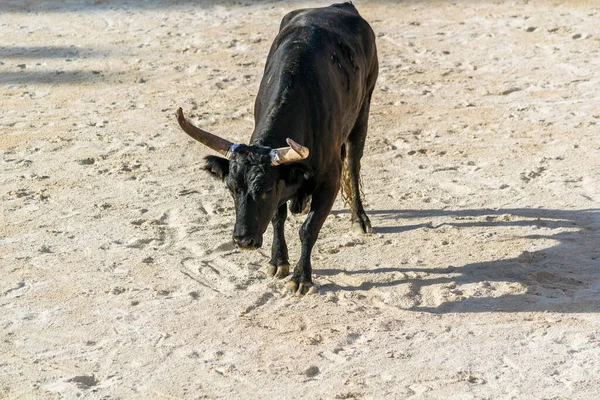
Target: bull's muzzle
point(247, 242)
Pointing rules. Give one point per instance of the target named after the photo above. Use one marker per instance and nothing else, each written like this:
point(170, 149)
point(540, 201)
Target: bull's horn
point(206, 138)
point(283, 155)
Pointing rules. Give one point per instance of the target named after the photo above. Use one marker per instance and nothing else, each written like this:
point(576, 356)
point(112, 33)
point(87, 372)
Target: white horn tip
point(298, 148)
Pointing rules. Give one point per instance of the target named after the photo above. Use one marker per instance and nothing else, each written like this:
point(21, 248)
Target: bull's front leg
point(279, 265)
point(322, 201)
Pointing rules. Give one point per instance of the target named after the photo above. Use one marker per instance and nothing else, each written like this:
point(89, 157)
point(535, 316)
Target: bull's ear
point(297, 174)
point(217, 166)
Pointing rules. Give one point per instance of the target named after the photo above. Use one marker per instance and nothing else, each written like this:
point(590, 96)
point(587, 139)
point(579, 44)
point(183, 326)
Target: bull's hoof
point(278, 271)
point(362, 226)
point(300, 289)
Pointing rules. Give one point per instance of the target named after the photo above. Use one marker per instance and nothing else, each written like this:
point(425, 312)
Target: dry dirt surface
point(118, 276)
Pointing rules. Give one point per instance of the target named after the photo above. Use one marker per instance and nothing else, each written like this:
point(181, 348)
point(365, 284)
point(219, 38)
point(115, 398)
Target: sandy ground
point(118, 278)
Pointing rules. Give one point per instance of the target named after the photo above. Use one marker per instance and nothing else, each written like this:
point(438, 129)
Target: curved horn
point(206, 138)
point(283, 155)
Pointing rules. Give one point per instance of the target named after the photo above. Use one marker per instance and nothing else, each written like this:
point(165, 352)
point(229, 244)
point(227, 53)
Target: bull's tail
point(346, 182)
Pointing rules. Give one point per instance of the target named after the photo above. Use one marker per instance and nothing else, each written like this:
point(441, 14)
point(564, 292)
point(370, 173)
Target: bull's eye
point(265, 194)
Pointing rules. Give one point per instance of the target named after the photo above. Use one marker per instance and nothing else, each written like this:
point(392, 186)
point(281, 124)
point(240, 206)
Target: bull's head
point(259, 178)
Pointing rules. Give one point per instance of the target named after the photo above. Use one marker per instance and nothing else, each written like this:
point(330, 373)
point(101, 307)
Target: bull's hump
point(336, 18)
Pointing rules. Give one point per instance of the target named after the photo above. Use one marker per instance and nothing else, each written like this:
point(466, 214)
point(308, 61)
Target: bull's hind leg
point(354, 150)
point(279, 265)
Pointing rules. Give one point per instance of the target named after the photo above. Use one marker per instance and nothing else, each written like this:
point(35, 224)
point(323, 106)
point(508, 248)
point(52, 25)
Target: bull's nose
point(246, 242)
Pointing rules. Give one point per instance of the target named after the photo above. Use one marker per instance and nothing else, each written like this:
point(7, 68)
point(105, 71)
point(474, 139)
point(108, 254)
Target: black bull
point(316, 90)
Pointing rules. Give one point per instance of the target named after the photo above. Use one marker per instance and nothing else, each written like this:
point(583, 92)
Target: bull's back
point(324, 31)
point(320, 68)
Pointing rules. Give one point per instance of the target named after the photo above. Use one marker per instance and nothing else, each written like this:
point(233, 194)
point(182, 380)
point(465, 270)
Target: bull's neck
point(279, 121)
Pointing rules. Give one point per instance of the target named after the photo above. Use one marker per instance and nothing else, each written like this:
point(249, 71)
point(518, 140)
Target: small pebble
point(87, 161)
point(312, 371)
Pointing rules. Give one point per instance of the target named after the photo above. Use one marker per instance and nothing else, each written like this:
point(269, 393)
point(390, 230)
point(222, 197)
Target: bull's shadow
point(561, 278)
point(56, 75)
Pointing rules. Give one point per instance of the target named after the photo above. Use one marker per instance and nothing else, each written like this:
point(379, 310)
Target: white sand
point(482, 181)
